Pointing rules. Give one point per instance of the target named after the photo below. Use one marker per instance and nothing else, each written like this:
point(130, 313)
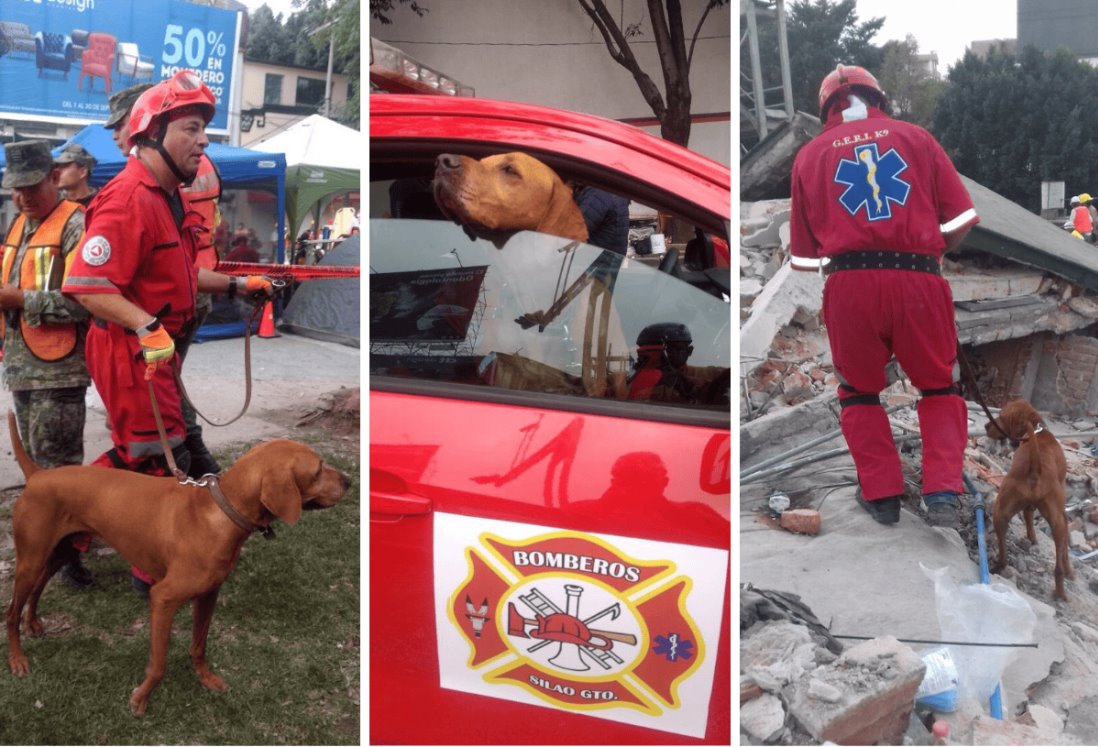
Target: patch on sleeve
point(97, 250)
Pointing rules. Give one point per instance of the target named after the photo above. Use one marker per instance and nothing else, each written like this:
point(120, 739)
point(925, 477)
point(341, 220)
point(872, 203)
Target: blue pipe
point(995, 703)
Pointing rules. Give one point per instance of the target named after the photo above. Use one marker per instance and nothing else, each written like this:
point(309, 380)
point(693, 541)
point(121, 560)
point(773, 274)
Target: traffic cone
point(267, 322)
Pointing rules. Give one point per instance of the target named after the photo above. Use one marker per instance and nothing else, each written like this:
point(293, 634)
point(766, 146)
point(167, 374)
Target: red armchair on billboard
point(97, 61)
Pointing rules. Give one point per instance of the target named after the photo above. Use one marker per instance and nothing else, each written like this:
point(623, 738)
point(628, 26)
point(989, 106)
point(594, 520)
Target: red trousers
point(118, 370)
point(872, 315)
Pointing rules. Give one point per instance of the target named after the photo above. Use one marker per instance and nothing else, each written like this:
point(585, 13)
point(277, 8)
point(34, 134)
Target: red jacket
point(874, 183)
point(133, 247)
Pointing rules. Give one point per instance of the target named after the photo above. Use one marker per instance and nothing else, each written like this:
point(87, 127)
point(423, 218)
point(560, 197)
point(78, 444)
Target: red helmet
point(846, 77)
point(567, 629)
point(184, 89)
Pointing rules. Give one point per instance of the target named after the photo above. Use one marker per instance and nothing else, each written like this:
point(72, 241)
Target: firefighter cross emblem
point(575, 622)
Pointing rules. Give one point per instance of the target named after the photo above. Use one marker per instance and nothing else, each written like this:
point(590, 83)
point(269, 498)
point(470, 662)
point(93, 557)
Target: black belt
point(874, 259)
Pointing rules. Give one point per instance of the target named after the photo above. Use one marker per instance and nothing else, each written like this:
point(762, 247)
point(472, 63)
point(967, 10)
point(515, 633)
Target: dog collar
point(1040, 427)
point(235, 516)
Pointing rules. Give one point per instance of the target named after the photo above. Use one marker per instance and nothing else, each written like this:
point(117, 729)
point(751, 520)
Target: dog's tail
point(1035, 464)
point(25, 462)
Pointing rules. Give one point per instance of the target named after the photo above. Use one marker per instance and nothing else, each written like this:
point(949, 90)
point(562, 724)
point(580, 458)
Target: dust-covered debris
point(339, 413)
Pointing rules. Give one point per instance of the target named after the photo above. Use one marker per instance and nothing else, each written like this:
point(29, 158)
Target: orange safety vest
point(203, 194)
point(40, 270)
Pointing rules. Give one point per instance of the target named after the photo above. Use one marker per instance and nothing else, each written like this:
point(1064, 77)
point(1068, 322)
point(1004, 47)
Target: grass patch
point(285, 637)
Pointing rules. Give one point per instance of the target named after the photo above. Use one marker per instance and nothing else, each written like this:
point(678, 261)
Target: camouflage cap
point(73, 153)
point(29, 162)
point(122, 101)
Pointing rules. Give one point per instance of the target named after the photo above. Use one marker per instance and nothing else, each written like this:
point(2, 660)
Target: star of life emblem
point(872, 181)
point(576, 623)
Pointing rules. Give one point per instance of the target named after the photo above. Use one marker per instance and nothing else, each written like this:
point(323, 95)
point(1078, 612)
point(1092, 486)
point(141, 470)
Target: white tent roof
point(318, 141)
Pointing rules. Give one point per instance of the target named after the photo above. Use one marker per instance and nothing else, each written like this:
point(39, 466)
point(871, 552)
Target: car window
point(541, 314)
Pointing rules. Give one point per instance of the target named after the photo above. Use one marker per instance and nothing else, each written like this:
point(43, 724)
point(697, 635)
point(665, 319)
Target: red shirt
point(874, 183)
point(133, 247)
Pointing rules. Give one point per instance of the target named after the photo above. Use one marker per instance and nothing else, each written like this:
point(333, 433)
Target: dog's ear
point(279, 493)
point(563, 217)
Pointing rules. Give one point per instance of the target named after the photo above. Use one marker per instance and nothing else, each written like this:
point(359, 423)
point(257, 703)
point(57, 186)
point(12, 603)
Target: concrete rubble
point(1029, 333)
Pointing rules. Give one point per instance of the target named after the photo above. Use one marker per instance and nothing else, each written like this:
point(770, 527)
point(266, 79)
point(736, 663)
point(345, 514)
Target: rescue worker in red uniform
point(203, 192)
point(877, 202)
point(136, 275)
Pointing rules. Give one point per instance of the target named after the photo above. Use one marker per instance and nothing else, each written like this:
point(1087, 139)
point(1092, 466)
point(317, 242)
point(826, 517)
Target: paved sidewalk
point(288, 371)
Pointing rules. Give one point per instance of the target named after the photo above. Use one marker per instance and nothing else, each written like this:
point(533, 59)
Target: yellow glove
point(157, 346)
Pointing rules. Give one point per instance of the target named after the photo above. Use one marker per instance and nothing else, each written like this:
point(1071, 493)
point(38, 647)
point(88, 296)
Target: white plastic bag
point(980, 613)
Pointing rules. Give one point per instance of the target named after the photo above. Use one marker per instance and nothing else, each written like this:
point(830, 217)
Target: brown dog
point(175, 532)
point(502, 194)
point(1036, 480)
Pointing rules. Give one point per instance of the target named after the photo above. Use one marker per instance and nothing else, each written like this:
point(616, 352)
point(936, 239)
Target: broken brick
point(797, 387)
point(801, 521)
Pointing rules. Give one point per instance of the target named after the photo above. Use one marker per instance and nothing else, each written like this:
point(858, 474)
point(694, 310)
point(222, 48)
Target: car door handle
point(399, 504)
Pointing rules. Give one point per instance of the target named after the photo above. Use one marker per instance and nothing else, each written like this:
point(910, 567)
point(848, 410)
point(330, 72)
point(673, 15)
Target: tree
point(265, 36)
point(346, 36)
point(380, 8)
point(912, 93)
point(820, 36)
point(672, 108)
point(302, 40)
point(1012, 122)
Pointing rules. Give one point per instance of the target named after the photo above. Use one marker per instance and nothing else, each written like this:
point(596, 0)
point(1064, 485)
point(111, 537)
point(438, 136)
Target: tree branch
point(694, 39)
point(623, 55)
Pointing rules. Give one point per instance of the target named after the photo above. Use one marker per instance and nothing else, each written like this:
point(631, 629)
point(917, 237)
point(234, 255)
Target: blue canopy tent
point(240, 168)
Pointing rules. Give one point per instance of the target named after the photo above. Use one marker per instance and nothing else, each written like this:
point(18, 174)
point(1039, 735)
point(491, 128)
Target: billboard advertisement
point(61, 59)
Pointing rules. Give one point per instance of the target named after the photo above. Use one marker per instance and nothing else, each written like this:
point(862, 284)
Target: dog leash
point(971, 381)
point(209, 482)
point(179, 474)
point(256, 313)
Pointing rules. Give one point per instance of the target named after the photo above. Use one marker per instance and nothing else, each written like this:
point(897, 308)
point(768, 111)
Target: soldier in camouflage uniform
point(43, 330)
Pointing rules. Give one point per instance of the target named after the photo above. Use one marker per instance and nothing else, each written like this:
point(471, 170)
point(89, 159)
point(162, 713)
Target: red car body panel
point(540, 463)
point(602, 143)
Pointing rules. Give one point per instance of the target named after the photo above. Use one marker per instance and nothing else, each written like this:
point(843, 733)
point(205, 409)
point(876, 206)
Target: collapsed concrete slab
point(867, 694)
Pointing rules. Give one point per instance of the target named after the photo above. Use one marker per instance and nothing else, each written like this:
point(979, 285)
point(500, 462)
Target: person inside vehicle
point(606, 216)
point(660, 373)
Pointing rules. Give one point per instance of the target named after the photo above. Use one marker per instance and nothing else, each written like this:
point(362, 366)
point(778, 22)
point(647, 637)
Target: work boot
point(941, 510)
point(883, 510)
point(76, 575)
point(202, 461)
